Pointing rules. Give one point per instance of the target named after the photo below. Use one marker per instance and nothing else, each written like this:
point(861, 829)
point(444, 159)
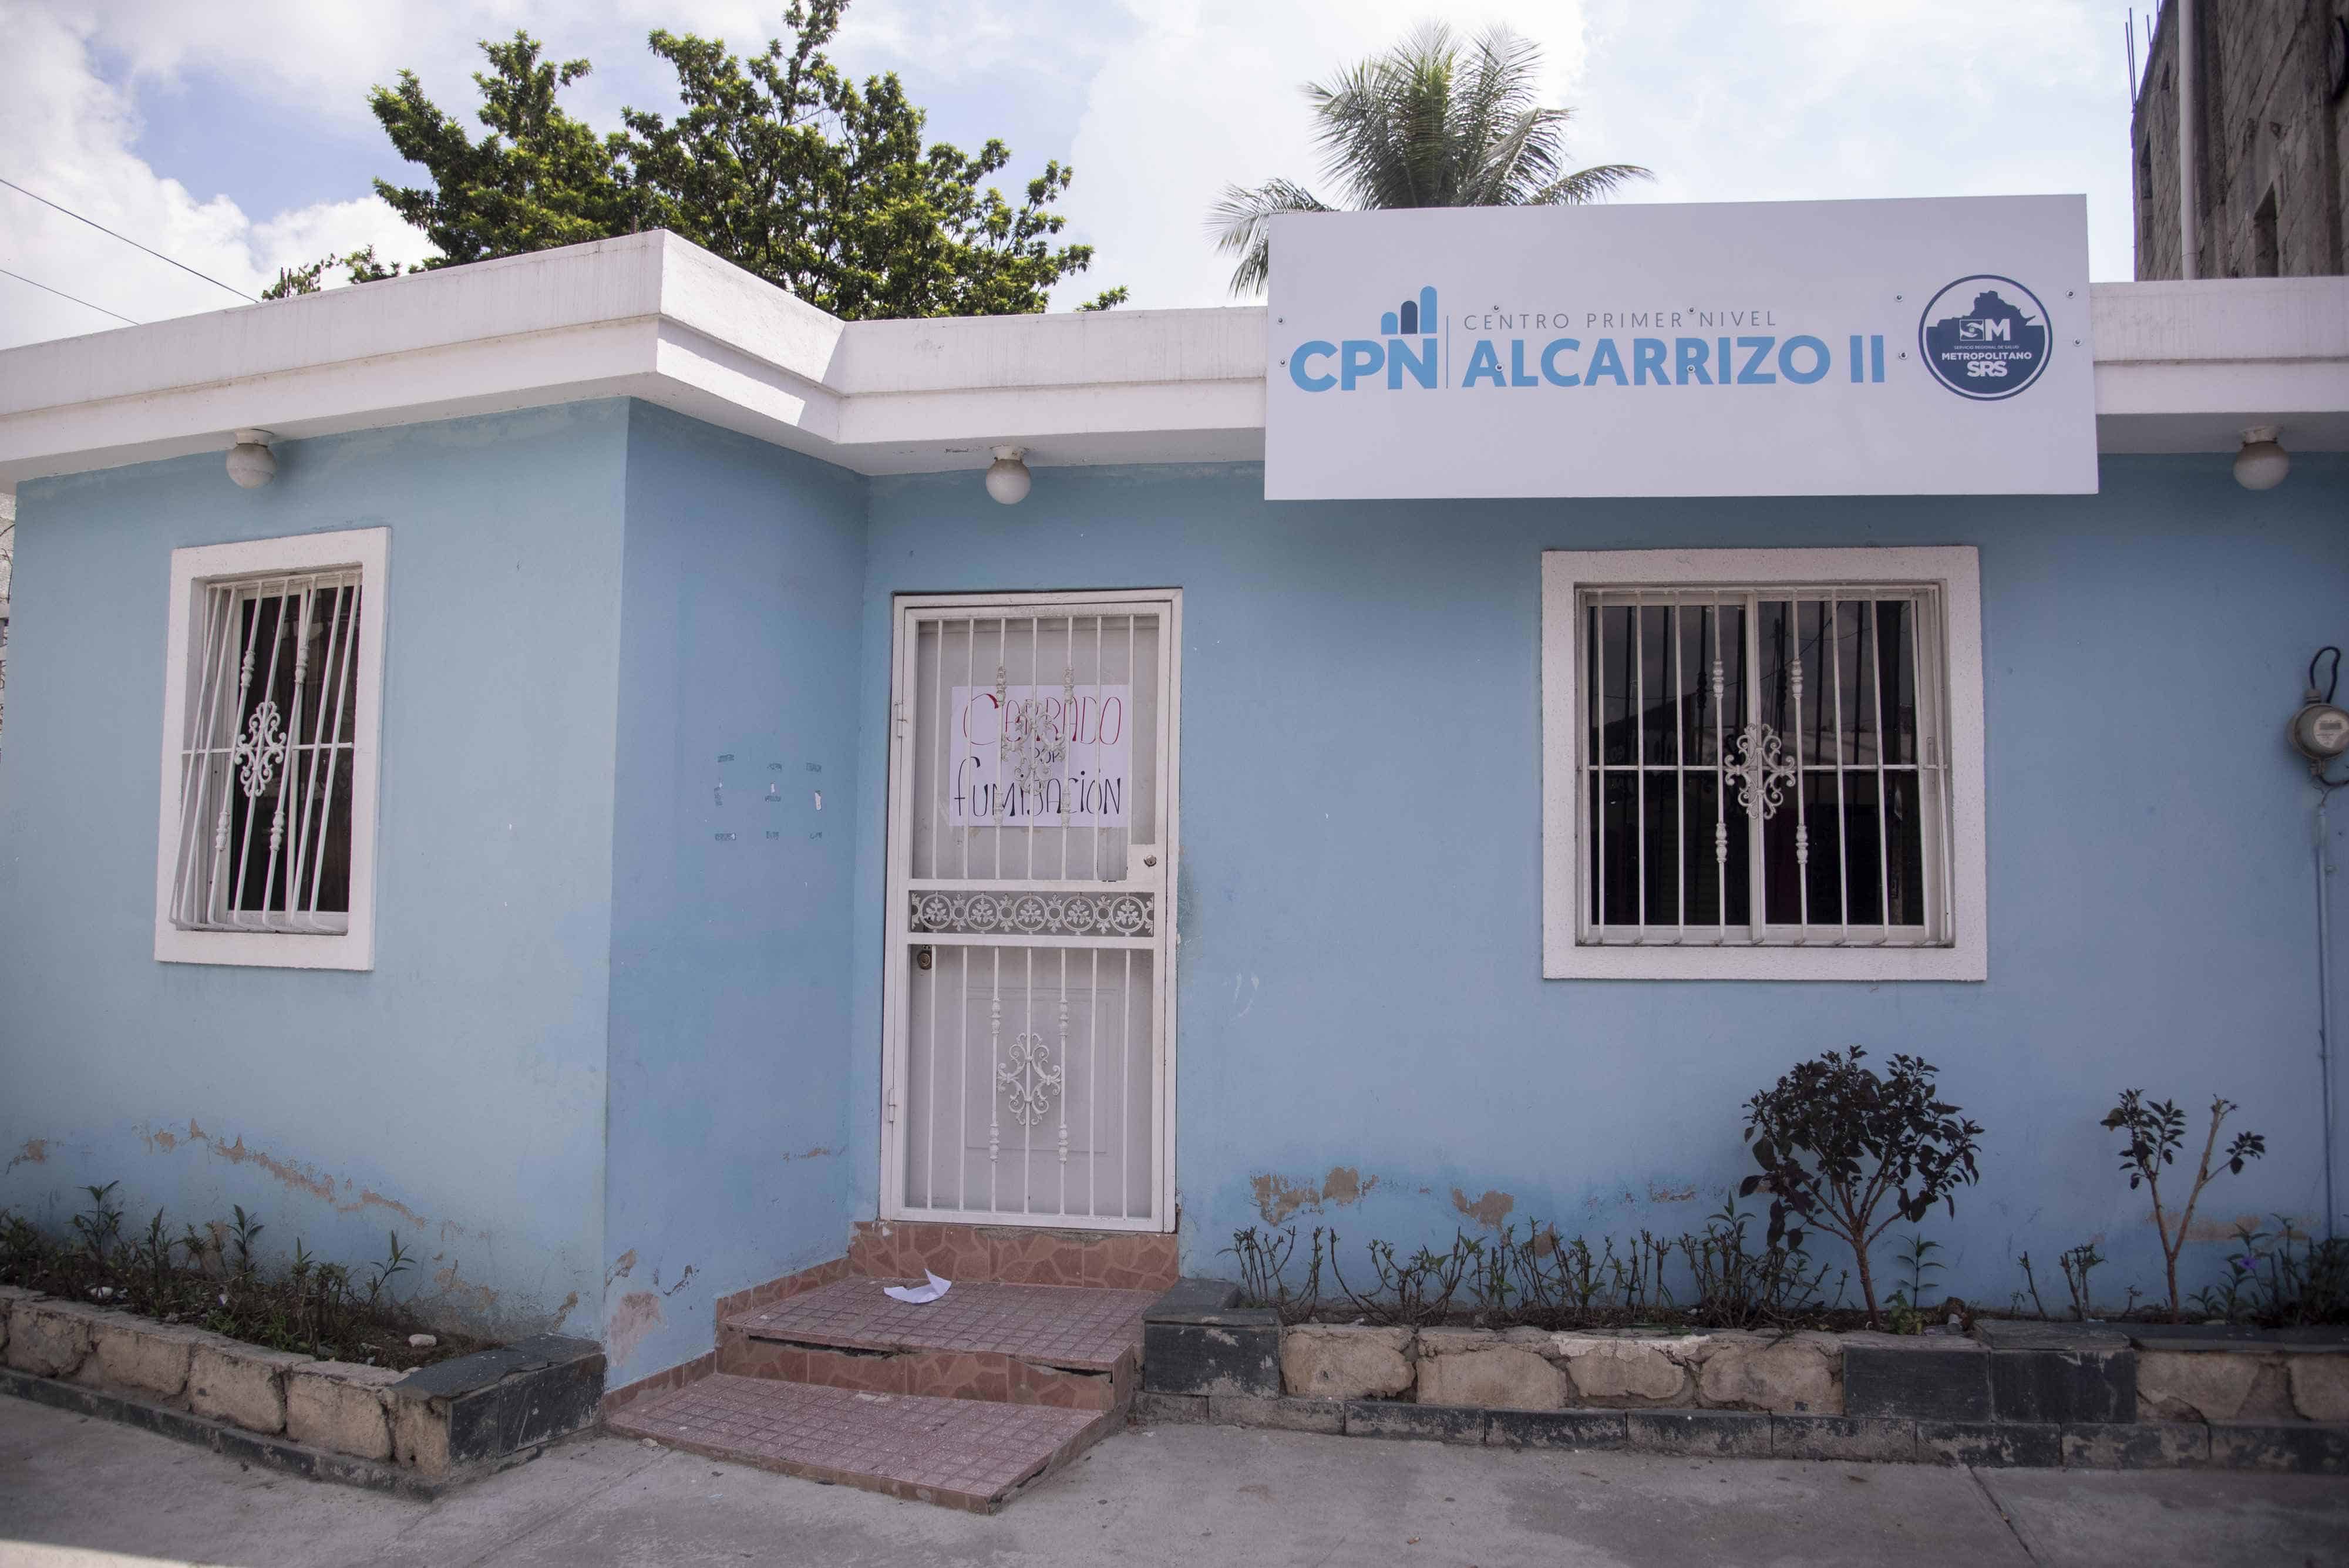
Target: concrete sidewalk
point(77, 1491)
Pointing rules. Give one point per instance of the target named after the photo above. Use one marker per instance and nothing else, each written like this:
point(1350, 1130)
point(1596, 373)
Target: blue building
point(632, 806)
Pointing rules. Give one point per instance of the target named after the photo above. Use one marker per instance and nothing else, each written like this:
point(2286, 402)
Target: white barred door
point(1028, 1062)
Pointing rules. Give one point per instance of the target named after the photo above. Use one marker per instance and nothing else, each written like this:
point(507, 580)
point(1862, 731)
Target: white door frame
point(897, 954)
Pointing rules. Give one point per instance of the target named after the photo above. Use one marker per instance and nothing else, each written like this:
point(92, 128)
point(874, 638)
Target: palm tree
point(1431, 123)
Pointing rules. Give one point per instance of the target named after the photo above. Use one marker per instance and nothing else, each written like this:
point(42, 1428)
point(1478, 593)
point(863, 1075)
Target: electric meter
point(2321, 731)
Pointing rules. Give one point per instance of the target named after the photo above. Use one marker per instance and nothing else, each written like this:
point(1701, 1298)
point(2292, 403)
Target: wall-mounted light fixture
point(250, 462)
point(1007, 476)
point(2262, 464)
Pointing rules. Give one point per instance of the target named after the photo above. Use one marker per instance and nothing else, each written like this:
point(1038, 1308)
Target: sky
point(240, 146)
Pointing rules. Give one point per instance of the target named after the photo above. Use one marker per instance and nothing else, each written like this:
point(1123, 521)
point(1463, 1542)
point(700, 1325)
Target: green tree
point(361, 264)
point(783, 165)
point(1431, 123)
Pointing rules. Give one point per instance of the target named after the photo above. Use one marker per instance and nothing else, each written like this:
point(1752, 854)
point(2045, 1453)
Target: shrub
point(2156, 1130)
point(1834, 1142)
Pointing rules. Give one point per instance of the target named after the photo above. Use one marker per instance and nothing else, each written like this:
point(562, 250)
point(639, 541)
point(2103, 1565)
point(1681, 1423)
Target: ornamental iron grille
point(266, 770)
point(1029, 855)
point(1764, 766)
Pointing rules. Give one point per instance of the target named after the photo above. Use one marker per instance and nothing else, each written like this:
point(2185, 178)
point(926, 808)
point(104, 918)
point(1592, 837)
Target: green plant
point(1736, 1287)
point(2031, 1282)
point(1414, 1290)
point(1263, 1261)
point(101, 1224)
point(1909, 1313)
point(241, 1232)
point(1431, 123)
point(2156, 1130)
point(2075, 1264)
point(395, 1261)
point(779, 162)
point(1834, 1142)
point(2277, 1286)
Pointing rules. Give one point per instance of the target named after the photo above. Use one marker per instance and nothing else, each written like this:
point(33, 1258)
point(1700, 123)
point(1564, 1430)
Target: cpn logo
point(1403, 349)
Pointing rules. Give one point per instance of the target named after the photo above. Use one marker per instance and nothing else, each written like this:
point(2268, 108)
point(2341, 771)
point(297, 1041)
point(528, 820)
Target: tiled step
point(969, 1454)
point(1066, 1346)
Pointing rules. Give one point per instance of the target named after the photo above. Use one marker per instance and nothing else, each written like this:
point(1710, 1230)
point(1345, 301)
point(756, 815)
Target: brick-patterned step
point(1066, 1346)
point(969, 1454)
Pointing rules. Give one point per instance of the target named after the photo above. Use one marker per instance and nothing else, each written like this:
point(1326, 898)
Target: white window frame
point(1955, 570)
point(193, 569)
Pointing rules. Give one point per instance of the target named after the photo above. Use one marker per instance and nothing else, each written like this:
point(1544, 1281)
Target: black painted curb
point(513, 1397)
point(1197, 1342)
point(2304, 1447)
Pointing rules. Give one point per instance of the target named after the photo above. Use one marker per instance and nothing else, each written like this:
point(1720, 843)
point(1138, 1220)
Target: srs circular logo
point(1984, 337)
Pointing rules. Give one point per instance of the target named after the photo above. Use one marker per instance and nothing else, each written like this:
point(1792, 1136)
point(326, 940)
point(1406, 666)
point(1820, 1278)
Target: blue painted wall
point(455, 1093)
point(589, 605)
point(731, 1050)
point(1361, 986)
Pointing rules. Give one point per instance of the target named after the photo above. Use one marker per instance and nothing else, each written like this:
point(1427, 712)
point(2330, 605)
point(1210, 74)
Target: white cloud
point(1207, 96)
point(1179, 97)
point(1803, 99)
point(71, 134)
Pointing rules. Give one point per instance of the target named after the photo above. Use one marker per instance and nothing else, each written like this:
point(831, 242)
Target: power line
point(126, 239)
point(61, 293)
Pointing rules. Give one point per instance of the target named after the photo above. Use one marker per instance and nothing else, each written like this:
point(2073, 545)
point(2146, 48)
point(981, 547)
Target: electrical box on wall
point(2320, 732)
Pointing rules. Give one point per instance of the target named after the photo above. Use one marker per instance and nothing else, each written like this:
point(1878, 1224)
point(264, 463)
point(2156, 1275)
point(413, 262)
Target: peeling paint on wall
point(1489, 1209)
point(622, 1267)
point(2219, 1229)
point(1277, 1198)
point(1658, 1193)
point(35, 1151)
point(636, 1315)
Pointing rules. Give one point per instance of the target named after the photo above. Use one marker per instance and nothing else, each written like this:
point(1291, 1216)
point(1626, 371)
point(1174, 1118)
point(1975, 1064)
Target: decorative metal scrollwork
point(1756, 764)
point(1034, 914)
point(1028, 1079)
point(1033, 743)
point(259, 750)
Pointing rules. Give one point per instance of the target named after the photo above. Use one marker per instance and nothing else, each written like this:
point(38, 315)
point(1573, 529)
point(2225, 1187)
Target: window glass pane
point(1656, 685)
point(1661, 863)
point(1776, 632)
point(1835, 679)
point(1856, 681)
point(1618, 893)
point(1813, 703)
point(1824, 872)
point(1590, 681)
point(1907, 871)
point(1614, 632)
point(1896, 658)
point(1705, 832)
point(1864, 888)
point(1701, 720)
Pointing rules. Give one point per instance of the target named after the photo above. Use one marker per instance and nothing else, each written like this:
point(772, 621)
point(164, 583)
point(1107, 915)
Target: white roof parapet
point(2181, 367)
point(2187, 367)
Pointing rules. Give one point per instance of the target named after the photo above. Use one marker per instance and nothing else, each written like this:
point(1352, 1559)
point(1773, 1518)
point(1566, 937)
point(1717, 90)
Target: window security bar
point(1765, 767)
point(266, 769)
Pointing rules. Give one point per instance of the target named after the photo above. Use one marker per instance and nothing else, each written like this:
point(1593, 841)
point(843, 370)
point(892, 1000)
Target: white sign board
point(1078, 744)
point(1897, 347)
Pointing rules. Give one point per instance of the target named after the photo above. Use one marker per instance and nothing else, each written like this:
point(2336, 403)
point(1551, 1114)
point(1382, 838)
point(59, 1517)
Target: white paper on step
point(918, 1295)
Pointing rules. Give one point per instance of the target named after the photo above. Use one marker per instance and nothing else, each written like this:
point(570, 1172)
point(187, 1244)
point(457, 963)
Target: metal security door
point(1029, 1048)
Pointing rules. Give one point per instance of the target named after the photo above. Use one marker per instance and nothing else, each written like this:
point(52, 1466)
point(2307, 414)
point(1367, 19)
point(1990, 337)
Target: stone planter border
point(416, 1434)
point(2013, 1394)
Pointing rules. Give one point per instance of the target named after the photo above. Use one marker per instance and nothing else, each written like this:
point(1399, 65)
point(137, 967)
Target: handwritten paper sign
point(1039, 756)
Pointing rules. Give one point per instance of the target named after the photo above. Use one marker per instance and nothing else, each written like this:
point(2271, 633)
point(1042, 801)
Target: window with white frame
point(266, 846)
point(1763, 765)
